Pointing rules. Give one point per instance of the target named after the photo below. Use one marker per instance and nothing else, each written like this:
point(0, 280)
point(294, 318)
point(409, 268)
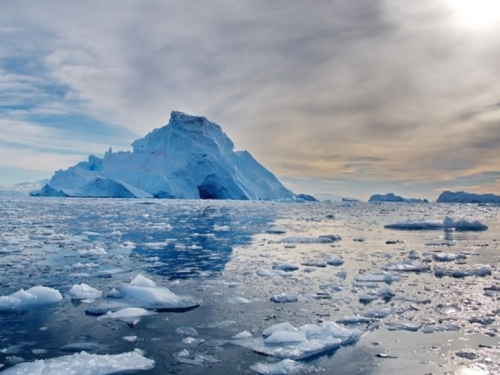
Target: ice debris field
point(100, 286)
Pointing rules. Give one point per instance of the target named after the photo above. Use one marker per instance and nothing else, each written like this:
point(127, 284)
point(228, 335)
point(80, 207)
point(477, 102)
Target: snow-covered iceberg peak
point(189, 158)
point(185, 129)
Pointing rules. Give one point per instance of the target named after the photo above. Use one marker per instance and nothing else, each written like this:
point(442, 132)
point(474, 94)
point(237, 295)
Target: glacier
point(189, 158)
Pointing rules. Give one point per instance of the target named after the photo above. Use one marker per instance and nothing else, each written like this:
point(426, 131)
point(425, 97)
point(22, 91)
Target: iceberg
point(84, 363)
point(83, 291)
point(391, 197)
point(190, 158)
point(463, 197)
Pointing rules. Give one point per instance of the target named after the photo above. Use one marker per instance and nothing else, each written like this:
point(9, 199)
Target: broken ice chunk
point(34, 297)
point(84, 363)
point(319, 339)
point(444, 327)
point(284, 298)
point(335, 261)
point(285, 326)
point(283, 337)
point(140, 280)
point(286, 366)
point(285, 266)
point(83, 291)
point(448, 257)
point(394, 326)
point(378, 277)
point(406, 266)
point(460, 273)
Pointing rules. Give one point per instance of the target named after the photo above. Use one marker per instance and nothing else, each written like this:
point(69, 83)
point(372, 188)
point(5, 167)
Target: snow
point(447, 223)
point(83, 291)
point(189, 158)
point(34, 297)
point(84, 364)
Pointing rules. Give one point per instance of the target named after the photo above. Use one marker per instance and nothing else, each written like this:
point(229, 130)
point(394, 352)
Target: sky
point(348, 97)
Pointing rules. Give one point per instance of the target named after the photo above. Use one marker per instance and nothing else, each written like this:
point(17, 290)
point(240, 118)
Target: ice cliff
point(190, 158)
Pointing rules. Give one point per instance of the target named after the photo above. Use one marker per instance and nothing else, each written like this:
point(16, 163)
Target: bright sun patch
point(476, 13)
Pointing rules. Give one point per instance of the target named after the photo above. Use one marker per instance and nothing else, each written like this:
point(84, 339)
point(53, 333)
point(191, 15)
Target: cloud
point(362, 91)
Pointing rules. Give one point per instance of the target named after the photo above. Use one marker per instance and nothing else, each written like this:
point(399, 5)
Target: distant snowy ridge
point(391, 197)
point(190, 158)
point(23, 188)
point(463, 197)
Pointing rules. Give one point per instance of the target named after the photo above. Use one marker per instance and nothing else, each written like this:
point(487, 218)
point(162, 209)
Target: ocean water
point(434, 321)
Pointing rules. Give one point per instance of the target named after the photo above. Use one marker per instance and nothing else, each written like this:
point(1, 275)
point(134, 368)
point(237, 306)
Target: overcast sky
point(350, 97)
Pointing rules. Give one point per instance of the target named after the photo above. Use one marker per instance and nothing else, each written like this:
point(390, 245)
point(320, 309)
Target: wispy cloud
point(375, 90)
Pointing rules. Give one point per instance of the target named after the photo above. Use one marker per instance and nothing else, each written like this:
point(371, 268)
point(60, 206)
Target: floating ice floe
point(460, 273)
point(127, 313)
point(308, 341)
point(284, 298)
point(394, 326)
point(447, 223)
point(286, 366)
point(287, 267)
point(329, 238)
point(314, 264)
point(272, 273)
point(448, 257)
point(34, 297)
point(444, 327)
point(238, 300)
point(353, 320)
point(140, 280)
point(378, 277)
point(406, 266)
point(83, 291)
point(195, 358)
point(335, 261)
point(154, 298)
point(84, 363)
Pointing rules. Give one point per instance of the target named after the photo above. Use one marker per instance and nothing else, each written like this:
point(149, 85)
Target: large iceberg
point(391, 197)
point(190, 158)
point(463, 197)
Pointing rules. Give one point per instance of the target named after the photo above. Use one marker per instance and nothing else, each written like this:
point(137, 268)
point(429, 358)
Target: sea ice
point(157, 298)
point(305, 240)
point(286, 366)
point(448, 257)
point(84, 363)
point(238, 300)
point(284, 298)
point(379, 277)
point(447, 223)
point(34, 297)
point(83, 291)
point(444, 327)
point(394, 326)
point(285, 266)
point(128, 312)
point(335, 261)
point(352, 320)
point(87, 346)
point(460, 273)
point(406, 266)
point(319, 338)
point(285, 326)
point(140, 280)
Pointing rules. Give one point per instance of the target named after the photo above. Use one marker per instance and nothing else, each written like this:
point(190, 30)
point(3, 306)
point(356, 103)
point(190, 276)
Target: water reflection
point(200, 241)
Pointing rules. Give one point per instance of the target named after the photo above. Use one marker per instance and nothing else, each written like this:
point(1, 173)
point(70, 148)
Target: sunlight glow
point(476, 13)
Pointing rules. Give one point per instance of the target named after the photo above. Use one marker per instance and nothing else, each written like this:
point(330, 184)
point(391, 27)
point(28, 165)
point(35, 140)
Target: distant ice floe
point(329, 238)
point(284, 298)
point(460, 273)
point(378, 277)
point(288, 267)
point(447, 223)
point(406, 266)
point(34, 297)
point(287, 342)
point(84, 363)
